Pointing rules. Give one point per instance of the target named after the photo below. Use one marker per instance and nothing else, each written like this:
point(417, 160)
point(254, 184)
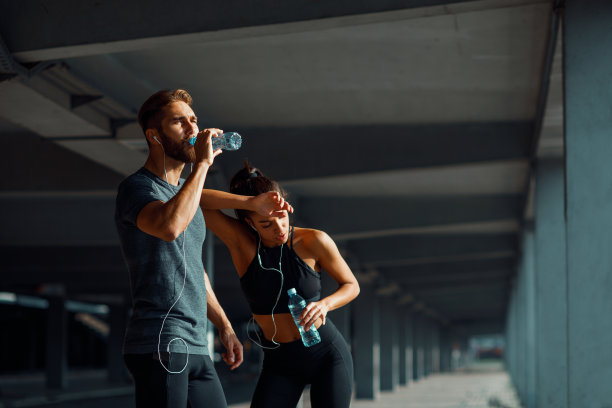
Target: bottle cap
point(291, 291)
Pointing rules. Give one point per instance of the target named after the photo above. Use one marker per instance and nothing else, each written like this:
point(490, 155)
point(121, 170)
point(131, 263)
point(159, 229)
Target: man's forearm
point(183, 206)
point(168, 220)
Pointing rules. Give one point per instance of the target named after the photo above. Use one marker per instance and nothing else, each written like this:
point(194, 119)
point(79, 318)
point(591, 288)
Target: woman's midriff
point(286, 330)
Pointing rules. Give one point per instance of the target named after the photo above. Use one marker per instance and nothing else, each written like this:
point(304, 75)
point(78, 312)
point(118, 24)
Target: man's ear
point(152, 136)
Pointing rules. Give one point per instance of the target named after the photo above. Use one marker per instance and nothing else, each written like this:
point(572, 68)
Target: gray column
point(389, 345)
point(530, 319)
point(426, 338)
point(520, 335)
point(57, 327)
point(525, 324)
point(435, 342)
point(418, 351)
point(366, 345)
point(446, 349)
point(117, 322)
point(510, 353)
point(405, 345)
point(551, 285)
point(587, 36)
point(464, 351)
point(428, 345)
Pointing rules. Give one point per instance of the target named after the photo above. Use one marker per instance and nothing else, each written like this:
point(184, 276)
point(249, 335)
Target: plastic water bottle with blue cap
point(296, 306)
point(225, 141)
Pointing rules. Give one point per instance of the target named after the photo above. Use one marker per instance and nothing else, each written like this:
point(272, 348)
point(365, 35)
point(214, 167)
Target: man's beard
point(178, 151)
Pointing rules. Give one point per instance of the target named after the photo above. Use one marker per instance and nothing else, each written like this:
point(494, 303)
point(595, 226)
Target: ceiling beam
point(326, 151)
point(55, 168)
point(41, 107)
point(483, 314)
point(55, 104)
point(36, 30)
point(337, 215)
point(421, 283)
point(475, 327)
point(441, 269)
point(77, 265)
point(486, 288)
point(401, 250)
point(56, 219)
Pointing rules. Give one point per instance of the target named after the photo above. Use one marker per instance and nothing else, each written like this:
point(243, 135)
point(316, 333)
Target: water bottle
point(296, 305)
point(226, 141)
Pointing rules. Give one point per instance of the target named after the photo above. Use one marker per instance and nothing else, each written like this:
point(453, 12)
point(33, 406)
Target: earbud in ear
point(155, 137)
point(253, 228)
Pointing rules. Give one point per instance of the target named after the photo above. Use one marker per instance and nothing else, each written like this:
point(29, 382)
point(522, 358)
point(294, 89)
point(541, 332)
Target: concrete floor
point(482, 385)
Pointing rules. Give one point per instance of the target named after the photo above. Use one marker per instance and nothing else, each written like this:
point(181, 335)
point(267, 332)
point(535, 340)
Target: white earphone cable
point(175, 302)
point(279, 270)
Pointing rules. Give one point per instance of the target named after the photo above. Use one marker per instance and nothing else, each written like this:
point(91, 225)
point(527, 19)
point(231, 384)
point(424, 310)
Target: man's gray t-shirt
point(157, 272)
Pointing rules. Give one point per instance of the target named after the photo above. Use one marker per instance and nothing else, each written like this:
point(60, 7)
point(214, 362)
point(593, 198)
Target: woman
point(271, 257)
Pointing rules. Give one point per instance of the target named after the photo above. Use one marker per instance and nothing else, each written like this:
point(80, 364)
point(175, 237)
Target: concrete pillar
point(464, 351)
point(57, 334)
point(389, 345)
point(435, 342)
point(530, 318)
point(366, 343)
point(30, 337)
point(525, 324)
point(520, 335)
point(446, 349)
point(117, 323)
point(431, 345)
point(510, 352)
point(551, 285)
point(405, 345)
point(428, 345)
point(418, 352)
point(587, 33)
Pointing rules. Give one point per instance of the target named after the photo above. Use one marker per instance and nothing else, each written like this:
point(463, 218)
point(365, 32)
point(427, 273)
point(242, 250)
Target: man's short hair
point(151, 112)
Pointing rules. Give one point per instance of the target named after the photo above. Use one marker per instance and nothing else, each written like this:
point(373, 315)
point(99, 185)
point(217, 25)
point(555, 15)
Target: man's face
point(177, 127)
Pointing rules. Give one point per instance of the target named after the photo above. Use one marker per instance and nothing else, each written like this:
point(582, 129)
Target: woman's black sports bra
point(261, 287)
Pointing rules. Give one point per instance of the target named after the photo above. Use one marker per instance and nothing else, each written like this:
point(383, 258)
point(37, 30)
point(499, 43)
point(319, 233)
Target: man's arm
point(233, 357)
point(167, 220)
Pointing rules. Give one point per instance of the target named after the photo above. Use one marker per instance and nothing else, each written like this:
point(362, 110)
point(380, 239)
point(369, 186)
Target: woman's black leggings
point(327, 367)
point(197, 386)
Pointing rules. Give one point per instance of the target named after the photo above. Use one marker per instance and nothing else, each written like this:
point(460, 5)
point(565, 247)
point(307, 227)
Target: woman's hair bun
point(250, 181)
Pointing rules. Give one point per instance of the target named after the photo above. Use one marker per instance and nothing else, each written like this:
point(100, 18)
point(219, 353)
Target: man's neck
point(173, 168)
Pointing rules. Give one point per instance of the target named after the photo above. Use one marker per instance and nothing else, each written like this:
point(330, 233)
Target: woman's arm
point(228, 229)
point(330, 260)
point(235, 236)
point(267, 204)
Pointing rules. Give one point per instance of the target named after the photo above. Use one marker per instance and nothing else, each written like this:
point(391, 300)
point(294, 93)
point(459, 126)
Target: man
point(161, 229)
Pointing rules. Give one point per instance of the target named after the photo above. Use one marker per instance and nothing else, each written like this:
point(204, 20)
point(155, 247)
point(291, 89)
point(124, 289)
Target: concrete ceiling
point(405, 131)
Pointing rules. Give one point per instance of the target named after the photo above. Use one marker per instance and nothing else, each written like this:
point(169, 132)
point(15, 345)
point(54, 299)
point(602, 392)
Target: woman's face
point(273, 231)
